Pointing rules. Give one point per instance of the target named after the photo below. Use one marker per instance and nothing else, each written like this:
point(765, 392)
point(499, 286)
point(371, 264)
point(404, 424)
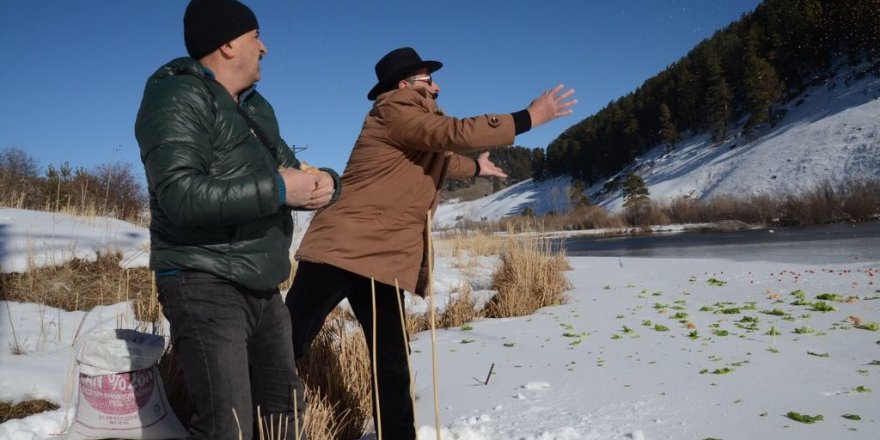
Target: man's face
point(249, 50)
point(421, 79)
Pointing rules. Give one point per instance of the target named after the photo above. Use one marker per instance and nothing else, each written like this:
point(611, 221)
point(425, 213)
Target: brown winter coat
point(406, 147)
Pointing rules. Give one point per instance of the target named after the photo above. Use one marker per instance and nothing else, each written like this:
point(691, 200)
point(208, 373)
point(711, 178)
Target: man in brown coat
point(377, 228)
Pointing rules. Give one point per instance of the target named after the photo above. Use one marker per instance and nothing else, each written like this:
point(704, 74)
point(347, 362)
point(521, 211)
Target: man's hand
point(487, 168)
point(300, 186)
point(323, 191)
point(551, 105)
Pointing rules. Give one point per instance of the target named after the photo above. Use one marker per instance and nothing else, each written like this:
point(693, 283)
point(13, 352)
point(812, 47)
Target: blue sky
point(74, 71)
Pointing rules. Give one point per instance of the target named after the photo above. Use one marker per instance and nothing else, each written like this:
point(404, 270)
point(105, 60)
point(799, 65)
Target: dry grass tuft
point(337, 369)
point(460, 308)
point(322, 421)
point(24, 409)
point(475, 244)
point(416, 323)
point(530, 277)
point(82, 285)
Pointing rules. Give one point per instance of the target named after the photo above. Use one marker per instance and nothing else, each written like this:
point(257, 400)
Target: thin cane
point(295, 418)
point(376, 366)
point(433, 327)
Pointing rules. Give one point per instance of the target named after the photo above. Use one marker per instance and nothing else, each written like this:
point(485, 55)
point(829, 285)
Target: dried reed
point(530, 277)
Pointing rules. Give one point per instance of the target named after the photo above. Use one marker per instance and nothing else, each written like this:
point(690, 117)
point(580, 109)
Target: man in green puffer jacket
point(222, 184)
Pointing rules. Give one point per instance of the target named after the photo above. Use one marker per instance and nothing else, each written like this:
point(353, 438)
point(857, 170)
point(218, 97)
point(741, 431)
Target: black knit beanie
point(209, 24)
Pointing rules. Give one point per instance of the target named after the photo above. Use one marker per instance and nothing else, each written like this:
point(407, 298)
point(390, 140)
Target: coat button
point(494, 122)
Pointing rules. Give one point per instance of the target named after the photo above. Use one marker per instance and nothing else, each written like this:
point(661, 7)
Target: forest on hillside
point(742, 73)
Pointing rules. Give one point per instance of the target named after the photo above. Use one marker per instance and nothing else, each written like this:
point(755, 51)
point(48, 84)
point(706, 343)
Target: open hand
point(487, 168)
point(552, 104)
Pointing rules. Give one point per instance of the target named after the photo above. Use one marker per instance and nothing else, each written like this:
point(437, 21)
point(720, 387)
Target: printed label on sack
point(121, 393)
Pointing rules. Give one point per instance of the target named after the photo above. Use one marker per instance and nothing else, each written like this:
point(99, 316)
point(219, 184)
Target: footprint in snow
point(536, 386)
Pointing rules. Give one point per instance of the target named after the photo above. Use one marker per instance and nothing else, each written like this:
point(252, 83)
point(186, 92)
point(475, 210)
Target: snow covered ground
point(667, 349)
point(644, 349)
point(830, 133)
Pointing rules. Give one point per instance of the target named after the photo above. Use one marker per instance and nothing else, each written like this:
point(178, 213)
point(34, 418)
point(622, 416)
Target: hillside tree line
point(741, 73)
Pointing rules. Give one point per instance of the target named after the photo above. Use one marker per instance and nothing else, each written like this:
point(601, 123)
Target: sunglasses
point(425, 78)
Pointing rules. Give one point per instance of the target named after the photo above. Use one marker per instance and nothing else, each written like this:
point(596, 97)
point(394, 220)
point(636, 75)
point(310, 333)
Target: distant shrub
point(861, 200)
point(19, 179)
point(108, 189)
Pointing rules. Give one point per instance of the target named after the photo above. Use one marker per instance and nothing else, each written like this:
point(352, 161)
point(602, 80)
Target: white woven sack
point(120, 390)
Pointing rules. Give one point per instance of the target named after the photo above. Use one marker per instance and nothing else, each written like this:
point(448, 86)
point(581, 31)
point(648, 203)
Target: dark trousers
point(316, 290)
point(234, 349)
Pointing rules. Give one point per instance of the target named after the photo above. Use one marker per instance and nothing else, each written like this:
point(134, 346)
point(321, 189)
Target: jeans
point(235, 352)
point(316, 290)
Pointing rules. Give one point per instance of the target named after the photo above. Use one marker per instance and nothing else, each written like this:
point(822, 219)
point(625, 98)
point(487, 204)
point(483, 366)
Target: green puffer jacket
point(214, 186)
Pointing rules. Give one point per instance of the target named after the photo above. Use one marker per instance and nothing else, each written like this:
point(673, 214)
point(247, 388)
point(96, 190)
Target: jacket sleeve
point(411, 123)
point(337, 185)
point(173, 129)
point(461, 167)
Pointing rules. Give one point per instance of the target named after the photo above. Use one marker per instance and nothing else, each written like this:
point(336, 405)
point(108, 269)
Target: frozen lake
point(819, 244)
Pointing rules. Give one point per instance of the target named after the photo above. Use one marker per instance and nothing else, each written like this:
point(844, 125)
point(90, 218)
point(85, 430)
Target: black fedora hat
point(395, 65)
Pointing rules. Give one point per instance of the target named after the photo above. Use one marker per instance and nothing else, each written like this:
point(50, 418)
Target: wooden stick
point(490, 374)
point(235, 415)
point(433, 326)
point(295, 418)
point(259, 422)
point(412, 382)
point(376, 366)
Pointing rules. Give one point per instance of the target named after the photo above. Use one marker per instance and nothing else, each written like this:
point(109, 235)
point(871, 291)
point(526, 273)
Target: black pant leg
point(396, 407)
point(316, 290)
point(275, 384)
point(210, 323)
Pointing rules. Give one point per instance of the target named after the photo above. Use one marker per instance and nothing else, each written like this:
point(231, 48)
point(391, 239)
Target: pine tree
point(686, 98)
point(635, 193)
point(668, 132)
point(577, 194)
point(762, 88)
point(718, 101)
point(761, 83)
point(539, 164)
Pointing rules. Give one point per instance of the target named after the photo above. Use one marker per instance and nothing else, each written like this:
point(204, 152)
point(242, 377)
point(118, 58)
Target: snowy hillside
point(830, 133)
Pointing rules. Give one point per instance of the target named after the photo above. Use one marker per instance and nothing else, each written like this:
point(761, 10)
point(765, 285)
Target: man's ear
point(402, 84)
point(227, 50)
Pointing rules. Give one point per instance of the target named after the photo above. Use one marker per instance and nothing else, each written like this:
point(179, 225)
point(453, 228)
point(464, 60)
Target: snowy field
point(644, 349)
